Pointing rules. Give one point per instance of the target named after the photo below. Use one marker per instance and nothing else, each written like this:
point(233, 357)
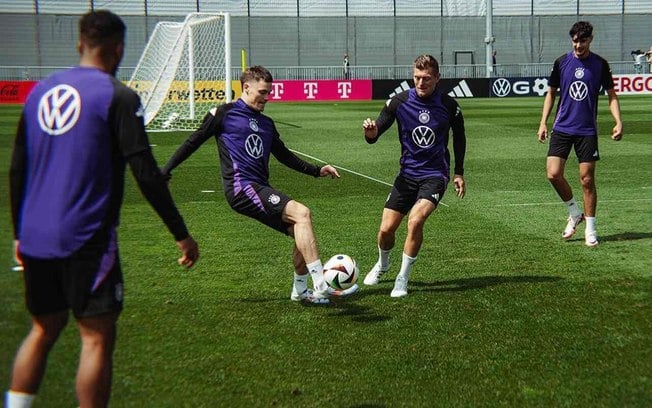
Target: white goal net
point(184, 71)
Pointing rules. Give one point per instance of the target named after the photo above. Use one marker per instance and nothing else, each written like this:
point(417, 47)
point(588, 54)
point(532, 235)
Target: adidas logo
point(402, 87)
point(461, 90)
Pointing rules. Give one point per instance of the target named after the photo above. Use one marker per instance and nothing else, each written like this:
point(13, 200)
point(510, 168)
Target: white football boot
point(308, 296)
point(373, 277)
point(591, 239)
point(343, 292)
point(571, 226)
point(400, 287)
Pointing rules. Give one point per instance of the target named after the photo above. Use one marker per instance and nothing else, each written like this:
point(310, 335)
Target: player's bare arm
point(614, 108)
point(548, 102)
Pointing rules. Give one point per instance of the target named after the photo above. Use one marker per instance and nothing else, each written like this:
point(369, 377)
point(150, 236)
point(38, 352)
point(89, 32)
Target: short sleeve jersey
point(79, 127)
point(579, 82)
point(423, 128)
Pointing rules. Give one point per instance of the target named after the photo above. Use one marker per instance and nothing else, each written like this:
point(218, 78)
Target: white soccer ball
point(341, 272)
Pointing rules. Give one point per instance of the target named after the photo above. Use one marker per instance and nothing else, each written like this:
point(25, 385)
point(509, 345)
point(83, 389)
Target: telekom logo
point(344, 89)
point(310, 89)
point(277, 90)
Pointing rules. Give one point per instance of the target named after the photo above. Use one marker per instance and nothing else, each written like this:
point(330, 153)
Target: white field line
point(560, 203)
point(351, 171)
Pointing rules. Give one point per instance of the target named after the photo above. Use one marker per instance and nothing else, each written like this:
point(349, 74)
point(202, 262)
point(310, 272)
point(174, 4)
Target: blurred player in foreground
point(79, 129)
point(425, 116)
point(578, 75)
point(246, 138)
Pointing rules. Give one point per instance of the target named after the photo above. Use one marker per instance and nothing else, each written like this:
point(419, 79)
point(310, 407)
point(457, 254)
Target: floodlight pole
point(489, 39)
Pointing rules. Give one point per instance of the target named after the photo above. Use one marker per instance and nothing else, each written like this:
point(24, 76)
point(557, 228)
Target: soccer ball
point(341, 272)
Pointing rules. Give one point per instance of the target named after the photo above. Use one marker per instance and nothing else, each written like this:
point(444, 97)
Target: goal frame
point(186, 30)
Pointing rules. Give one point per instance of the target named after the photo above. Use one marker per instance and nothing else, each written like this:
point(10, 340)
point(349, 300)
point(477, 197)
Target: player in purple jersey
point(78, 130)
point(425, 116)
point(578, 76)
point(246, 138)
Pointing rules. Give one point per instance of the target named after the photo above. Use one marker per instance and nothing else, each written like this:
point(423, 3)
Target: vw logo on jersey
point(424, 116)
point(423, 136)
point(59, 109)
point(578, 90)
point(579, 72)
point(253, 125)
point(501, 87)
point(254, 146)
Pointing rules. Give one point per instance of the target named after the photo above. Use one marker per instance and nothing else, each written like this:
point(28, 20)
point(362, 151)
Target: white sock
point(590, 224)
point(383, 258)
point(406, 266)
point(300, 284)
point(573, 209)
point(316, 270)
point(14, 399)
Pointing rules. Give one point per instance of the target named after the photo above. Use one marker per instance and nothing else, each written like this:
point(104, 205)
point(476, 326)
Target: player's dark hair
point(425, 61)
point(256, 73)
point(581, 29)
point(101, 27)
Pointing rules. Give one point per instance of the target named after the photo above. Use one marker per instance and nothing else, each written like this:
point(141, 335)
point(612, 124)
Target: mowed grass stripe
point(501, 311)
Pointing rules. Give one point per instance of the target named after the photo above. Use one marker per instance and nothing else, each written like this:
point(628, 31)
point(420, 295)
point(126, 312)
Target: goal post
point(184, 71)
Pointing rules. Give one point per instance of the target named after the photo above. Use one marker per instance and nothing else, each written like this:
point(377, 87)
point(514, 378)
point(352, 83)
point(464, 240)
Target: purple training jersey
point(246, 138)
point(579, 82)
point(73, 162)
point(423, 128)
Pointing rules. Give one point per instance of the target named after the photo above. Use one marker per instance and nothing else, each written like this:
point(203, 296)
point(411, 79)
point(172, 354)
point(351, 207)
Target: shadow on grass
point(368, 406)
point(455, 285)
point(626, 236)
point(349, 307)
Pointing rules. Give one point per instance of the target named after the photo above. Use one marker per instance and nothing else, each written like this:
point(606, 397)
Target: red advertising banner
point(633, 84)
point(321, 90)
point(15, 91)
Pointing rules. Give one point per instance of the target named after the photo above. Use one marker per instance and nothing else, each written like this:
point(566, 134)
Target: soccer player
point(245, 138)
point(579, 74)
point(425, 116)
point(78, 130)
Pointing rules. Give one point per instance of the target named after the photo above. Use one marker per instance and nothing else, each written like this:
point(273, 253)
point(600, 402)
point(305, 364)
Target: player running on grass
point(425, 116)
point(245, 139)
point(579, 75)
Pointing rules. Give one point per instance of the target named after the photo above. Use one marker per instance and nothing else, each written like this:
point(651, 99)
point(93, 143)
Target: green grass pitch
point(501, 311)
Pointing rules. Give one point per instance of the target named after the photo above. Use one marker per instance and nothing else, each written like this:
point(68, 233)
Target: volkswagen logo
point(254, 146)
point(501, 87)
point(578, 90)
point(423, 136)
point(59, 109)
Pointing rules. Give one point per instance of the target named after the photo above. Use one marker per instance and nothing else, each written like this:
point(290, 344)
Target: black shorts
point(89, 282)
point(586, 147)
point(262, 203)
point(405, 192)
